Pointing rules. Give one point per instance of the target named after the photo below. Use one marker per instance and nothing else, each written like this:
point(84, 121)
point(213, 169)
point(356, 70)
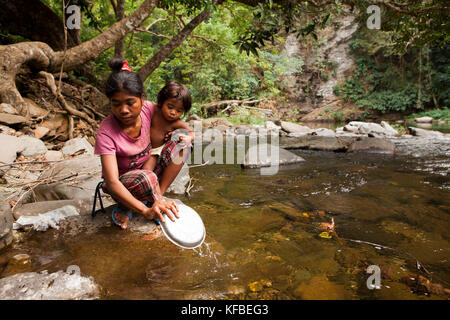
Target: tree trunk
point(119, 9)
point(91, 49)
point(35, 21)
point(40, 56)
point(168, 48)
point(36, 55)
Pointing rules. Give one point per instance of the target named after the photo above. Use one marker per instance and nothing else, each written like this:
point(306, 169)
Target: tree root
point(50, 80)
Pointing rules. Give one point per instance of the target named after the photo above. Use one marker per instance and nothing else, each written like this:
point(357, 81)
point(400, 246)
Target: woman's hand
point(160, 207)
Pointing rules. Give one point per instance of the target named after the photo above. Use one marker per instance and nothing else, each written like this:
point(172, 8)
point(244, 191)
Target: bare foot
point(122, 219)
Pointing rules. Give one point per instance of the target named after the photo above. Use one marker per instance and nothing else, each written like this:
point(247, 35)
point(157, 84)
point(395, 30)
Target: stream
point(263, 238)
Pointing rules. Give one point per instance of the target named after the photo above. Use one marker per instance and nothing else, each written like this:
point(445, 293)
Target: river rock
point(388, 128)
point(17, 264)
point(265, 160)
point(53, 155)
point(370, 127)
point(10, 119)
point(317, 143)
point(16, 175)
point(11, 145)
point(42, 286)
point(424, 120)
point(7, 108)
point(86, 168)
point(42, 222)
point(294, 129)
point(324, 132)
point(6, 222)
point(84, 206)
point(40, 132)
point(424, 133)
point(372, 145)
point(32, 146)
point(75, 145)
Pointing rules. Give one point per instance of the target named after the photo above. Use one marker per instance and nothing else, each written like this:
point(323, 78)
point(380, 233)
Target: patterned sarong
point(143, 183)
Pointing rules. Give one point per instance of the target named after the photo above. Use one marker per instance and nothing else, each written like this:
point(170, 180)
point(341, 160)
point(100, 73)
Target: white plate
point(188, 231)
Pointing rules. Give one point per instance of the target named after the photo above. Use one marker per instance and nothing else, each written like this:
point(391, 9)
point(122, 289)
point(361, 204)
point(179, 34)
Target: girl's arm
point(121, 194)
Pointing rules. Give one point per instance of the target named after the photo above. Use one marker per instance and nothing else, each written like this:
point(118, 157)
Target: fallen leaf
point(325, 235)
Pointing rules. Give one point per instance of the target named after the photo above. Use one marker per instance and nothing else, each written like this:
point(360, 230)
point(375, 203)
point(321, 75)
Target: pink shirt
point(131, 153)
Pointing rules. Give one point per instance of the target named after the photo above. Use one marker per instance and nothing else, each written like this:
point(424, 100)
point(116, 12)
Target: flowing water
point(263, 234)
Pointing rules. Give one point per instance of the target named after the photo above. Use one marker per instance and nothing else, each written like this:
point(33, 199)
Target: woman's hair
point(175, 90)
point(122, 80)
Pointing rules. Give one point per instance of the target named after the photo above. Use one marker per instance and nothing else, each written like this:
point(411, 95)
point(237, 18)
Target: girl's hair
point(177, 91)
point(121, 80)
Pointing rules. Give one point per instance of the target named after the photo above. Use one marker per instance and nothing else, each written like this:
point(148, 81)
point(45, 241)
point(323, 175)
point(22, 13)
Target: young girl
point(173, 100)
point(123, 143)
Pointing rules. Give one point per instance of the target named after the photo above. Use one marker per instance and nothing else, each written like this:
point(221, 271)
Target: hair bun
point(116, 64)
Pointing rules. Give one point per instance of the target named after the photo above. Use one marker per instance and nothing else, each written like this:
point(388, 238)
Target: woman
point(123, 143)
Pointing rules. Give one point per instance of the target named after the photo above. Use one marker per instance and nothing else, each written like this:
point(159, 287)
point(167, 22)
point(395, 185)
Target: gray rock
point(7, 108)
point(10, 146)
point(270, 125)
point(53, 155)
point(32, 146)
point(16, 175)
point(6, 222)
point(294, 128)
point(424, 120)
point(317, 143)
point(255, 160)
point(193, 117)
point(77, 144)
point(10, 119)
point(87, 169)
point(388, 128)
point(372, 145)
point(180, 183)
point(84, 206)
point(42, 286)
point(424, 133)
point(324, 132)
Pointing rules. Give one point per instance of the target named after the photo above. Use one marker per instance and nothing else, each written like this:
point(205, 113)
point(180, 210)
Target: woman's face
point(126, 108)
point(172, 109)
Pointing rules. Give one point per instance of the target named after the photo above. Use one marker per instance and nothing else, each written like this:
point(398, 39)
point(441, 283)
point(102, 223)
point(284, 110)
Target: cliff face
point(326, 62)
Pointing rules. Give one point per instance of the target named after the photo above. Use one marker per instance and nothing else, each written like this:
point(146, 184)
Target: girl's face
point(126, 108)
point(172, 109)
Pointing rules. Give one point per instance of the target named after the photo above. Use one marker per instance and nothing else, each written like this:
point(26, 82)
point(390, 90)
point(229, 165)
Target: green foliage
point(384, 82)
point(438, 114)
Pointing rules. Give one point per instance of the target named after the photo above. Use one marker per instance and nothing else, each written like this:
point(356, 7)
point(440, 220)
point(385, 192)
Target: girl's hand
point(160, 207)
point(168, 136)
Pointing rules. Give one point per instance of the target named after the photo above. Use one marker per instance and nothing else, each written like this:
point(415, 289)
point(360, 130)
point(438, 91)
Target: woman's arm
point(121, 194)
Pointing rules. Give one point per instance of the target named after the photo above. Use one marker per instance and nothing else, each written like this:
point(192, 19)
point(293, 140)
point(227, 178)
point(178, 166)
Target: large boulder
point(54, 286)
point(10, 119)
point(6, 223)
point(32, 146)
point(75, 145)
point(255, 159)
point(86, 169)
point(317, 143)
point(84, 206)
point(424, 133)
point(294, 129)
point(11, 145)
point(372, 145)
point(370, 128)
